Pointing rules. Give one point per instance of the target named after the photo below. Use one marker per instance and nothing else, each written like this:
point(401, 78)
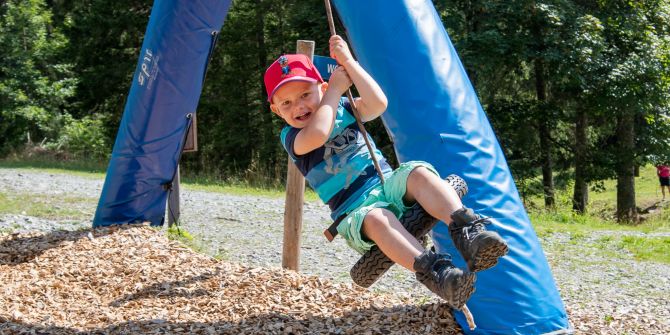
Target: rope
point(373, 157)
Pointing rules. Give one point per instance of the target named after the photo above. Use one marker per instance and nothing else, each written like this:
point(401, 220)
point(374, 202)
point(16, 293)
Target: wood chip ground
point(136, 281)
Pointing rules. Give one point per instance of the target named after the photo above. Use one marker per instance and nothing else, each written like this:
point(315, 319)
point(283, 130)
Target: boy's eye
point(306, 94)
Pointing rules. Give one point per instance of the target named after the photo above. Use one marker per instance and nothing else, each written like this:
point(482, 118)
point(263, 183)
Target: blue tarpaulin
point(325, 65)
point(166, 88)
point(434, 115)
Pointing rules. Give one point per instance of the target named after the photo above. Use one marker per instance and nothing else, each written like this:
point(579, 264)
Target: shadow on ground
point(368, 321)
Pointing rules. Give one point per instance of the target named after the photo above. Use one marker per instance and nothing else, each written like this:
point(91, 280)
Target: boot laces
point(443, 261)
point(475, 227)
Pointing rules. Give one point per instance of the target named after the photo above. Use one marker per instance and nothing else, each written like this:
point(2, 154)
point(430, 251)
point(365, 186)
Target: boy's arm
point(317, 132)
point(372, 101)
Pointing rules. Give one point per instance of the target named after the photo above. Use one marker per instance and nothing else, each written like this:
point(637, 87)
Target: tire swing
point(374, 263)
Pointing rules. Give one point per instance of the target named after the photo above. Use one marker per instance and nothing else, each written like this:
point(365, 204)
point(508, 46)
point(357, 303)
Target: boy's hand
point(340, 50)
point(339, 81)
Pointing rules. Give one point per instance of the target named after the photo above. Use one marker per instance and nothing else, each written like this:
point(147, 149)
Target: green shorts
point(388, 196)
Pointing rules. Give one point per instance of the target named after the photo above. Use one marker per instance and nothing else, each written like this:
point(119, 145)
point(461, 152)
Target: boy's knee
point(421, 172)
point(378, 219)
point(417, 180)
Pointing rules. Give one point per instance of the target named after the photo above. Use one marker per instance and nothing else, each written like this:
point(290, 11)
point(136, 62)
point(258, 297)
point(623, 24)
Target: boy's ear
point(324, 87)
point(274, 109)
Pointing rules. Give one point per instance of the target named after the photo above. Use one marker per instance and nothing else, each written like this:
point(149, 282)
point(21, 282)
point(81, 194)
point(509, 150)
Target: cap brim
point(294, 78)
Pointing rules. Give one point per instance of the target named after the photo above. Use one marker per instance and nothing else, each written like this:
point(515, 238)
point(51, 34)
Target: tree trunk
point(581, 192)
point(545, 136)
point(626, 208)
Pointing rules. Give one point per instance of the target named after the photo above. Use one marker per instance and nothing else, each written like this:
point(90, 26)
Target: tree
point(105, 38)
point(512, 51)
point(34, 84)
point(636, 37)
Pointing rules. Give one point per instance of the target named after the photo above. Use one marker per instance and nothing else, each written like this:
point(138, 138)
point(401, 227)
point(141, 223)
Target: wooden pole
point(295, 193)
point(173, 201)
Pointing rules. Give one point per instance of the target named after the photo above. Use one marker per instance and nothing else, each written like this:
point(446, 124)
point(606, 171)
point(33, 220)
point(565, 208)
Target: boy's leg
point(382, 227)
point(434, 194)
point(480, 248)
point(436, 271)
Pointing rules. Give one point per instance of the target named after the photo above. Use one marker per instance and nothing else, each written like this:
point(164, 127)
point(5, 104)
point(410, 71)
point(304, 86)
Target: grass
point(45, 207)
point(182, 235)
point(238, 188)
point(179, 234)
point(97, 170)
point(86, 169)
point(647, 248)
point(601, 219)
point(601, 207)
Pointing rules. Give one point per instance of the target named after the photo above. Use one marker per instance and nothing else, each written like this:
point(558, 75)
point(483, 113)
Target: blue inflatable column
point(165, 90)
point(434, 115)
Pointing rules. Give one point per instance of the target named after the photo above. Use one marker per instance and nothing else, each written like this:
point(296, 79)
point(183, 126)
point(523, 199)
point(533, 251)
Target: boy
point(324, 141)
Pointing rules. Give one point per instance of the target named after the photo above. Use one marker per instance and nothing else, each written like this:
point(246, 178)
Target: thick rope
point(373, 157)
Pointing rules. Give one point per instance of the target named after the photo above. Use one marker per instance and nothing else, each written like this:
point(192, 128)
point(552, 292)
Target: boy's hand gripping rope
point(331, 25)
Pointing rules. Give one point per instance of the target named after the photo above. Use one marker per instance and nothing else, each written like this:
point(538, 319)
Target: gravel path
point(605, 290)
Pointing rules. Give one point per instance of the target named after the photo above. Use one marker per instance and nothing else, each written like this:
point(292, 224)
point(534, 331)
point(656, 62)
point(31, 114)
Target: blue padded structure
point(434, 115)
point(166, 88)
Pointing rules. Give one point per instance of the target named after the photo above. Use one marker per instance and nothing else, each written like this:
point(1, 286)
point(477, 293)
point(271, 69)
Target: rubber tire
point(373, 264)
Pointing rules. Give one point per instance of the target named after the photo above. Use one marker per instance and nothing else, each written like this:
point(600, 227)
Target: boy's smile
point(296, 102)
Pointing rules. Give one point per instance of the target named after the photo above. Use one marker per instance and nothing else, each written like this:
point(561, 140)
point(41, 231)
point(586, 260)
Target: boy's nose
point(299, 107)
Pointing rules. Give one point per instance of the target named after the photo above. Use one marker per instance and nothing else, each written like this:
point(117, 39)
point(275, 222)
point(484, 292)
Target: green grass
point(52, 208)
point(614, 238)
point(568, 221)
point(202, 184)
point(97, 170)
point(86, 169)
point(179, 234)
point(601, 218)
point(647, 192)
point(602, 207)
point(647, 248)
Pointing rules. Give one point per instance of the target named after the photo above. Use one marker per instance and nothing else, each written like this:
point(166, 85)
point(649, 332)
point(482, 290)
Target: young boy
point(324, 141)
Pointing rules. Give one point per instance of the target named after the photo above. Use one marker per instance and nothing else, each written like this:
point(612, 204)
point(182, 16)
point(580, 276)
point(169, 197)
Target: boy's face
point(297, 101)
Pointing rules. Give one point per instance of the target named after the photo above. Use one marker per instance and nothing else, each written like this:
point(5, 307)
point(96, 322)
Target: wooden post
point(173, 201)
point(295, 194)
point(190, 145)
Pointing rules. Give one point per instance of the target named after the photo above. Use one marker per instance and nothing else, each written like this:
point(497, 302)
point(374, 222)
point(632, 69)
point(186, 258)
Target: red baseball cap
point(290, 68)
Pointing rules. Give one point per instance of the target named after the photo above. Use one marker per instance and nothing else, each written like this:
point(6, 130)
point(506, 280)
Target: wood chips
point(125, 280)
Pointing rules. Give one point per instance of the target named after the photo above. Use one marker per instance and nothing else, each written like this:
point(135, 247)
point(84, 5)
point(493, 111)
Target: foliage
point(83, 138)
point(34, 81)
point(537, 65)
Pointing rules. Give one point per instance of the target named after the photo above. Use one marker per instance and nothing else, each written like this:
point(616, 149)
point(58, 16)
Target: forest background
point(578, 92)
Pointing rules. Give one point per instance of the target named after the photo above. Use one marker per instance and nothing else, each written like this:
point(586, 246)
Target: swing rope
point(361, 127)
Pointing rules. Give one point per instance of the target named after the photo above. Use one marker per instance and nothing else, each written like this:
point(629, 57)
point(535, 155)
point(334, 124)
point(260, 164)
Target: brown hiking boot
point(480, 248)
point(438, 274)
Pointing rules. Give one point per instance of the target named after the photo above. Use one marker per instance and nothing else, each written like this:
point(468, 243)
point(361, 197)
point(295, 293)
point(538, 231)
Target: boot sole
point(466, 286)
point(488, 255)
